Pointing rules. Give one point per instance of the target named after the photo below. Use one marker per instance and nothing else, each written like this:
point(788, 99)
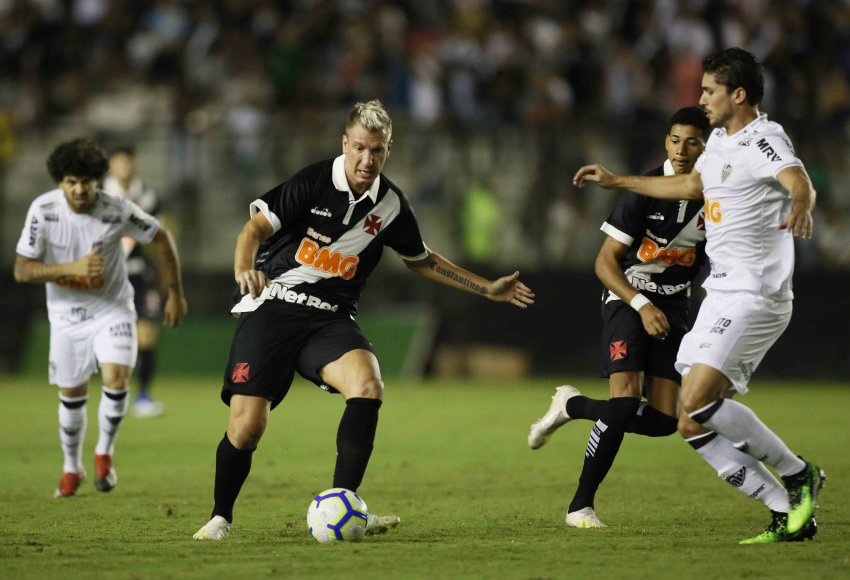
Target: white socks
point(744, 429)
point(72, 431)
point(740, 470)
point(110, 413)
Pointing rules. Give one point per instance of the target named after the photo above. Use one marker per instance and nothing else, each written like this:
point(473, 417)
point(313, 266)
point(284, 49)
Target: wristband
point(639, 301)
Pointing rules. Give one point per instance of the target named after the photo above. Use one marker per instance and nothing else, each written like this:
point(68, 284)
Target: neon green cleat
point(217, 528)
point(777, 531)
point(803, 491)
point(584, 518)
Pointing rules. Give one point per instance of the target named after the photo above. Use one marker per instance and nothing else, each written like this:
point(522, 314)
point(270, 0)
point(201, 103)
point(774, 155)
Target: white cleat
point(584, 518)
point(380, 524)
point(217, 528)
point(147, 408)
point(554, 418)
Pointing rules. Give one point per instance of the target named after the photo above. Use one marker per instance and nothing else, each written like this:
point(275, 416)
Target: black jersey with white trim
point(666, 242)
point(326, 240)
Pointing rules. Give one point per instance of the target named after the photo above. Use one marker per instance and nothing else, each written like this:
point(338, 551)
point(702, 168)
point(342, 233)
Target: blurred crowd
point(609, 71)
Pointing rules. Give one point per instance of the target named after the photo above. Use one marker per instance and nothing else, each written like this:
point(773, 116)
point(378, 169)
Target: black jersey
point(666, 239)
point(328, 240)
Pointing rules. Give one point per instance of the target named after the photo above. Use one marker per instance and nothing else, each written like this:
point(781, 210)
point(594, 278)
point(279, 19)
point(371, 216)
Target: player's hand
point(594, 173)
point(510, 289)
point(799, 221)
point(89, 266)
point(176, 308)
point(252, 281)
point(654, 321)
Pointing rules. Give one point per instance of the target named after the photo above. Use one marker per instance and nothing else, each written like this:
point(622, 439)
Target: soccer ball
point(337, 515)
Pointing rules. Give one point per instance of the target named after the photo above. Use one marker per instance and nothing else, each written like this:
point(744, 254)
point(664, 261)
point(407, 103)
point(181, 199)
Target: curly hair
point(79, 157)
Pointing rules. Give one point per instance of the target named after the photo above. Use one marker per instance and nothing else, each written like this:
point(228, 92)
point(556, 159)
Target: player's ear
point(344, 142)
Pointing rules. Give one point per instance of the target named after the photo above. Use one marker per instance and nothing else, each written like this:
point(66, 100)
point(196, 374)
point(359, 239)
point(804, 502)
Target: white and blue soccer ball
point(337, 515)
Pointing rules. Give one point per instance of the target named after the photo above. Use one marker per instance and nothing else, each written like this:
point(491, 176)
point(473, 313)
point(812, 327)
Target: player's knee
point(372, 388)
point(246, 434)
point(689, 428)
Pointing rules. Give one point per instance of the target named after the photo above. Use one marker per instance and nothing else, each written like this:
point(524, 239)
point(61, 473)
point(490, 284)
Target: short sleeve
point(404, 236)
point(770, 154)
point(32, 242)
point(140, 225)
point(626, 221)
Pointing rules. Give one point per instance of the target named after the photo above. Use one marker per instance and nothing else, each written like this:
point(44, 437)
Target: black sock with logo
point(602, 446)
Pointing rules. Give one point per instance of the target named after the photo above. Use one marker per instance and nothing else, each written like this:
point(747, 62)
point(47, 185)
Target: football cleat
point(380, 524)
point(217, 528)
point(105, 477)
point(584, 518)
point(68, 484)
point(554, 418)
point(803, 489)
point(145, 407)
point(777, 531)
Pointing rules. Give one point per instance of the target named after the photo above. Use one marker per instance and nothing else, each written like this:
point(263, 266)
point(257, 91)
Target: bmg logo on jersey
point(712, 211)
point(327, 260)
point(650, 251)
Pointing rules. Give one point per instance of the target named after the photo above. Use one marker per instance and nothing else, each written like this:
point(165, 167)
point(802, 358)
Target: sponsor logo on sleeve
point(140, 223)
point(769, 152)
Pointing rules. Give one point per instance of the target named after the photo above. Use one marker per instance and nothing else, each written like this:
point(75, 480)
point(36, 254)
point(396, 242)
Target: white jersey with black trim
point(54, 234)
point(744, 207)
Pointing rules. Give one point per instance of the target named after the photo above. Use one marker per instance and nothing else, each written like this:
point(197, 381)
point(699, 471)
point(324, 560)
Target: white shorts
point(732, 333)
point(76, 350)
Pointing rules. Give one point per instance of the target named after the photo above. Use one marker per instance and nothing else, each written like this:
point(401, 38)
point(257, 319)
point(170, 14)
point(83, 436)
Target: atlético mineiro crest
point(618, 350)
point(725, 173)
point(372, 225)
point(241, 372)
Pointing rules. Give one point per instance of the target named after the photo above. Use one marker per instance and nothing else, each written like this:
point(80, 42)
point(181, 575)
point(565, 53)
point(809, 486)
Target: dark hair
point(79, 157)
point(127, 150)
point(693, 116)
point(735, 67)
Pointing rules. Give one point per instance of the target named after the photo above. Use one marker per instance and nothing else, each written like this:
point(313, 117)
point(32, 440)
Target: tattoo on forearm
point(457, 278)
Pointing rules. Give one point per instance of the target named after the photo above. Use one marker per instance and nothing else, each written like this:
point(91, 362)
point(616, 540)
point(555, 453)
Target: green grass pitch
point(450, 459)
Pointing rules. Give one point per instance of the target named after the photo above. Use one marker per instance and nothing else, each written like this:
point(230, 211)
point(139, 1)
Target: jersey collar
point(341, 183)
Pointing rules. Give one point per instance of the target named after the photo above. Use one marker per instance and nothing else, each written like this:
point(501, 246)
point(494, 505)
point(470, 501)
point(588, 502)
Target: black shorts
point(147, 298)
point(276, 340)
point(626, 345)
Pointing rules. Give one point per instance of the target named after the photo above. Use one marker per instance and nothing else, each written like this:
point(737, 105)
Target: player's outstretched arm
point(32, 271)
point(176, 308)
point(506, 289)
point(798, 184)
point(687, 186)
point(253, 233)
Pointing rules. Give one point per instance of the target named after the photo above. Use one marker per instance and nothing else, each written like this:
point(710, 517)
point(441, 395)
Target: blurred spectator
point(257, 73)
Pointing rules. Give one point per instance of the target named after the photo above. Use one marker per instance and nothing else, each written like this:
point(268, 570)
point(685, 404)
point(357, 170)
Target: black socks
point(354, 441)
point(231, 469)
point(602, 447)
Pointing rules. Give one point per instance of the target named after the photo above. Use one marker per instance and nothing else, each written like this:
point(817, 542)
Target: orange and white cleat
point(105, 477)
point(69, 483)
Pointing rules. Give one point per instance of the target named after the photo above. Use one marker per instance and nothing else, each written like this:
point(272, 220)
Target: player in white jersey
point(758, 196)
point(71, 241)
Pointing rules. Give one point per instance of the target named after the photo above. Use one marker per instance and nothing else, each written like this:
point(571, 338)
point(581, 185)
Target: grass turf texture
point(450, 459)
